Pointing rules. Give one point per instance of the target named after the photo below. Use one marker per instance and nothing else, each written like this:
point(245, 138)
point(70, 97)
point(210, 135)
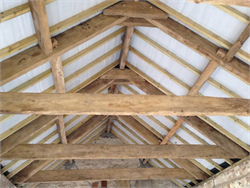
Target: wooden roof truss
point(106, 111)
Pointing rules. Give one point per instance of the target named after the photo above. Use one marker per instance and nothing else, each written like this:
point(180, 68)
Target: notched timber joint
point(221, 52)
point(54, 43)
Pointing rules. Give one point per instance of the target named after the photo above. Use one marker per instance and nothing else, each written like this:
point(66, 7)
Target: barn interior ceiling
point(170, 78)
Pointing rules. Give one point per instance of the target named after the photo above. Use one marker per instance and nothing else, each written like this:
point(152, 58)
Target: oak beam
point(113, 90)
point(125, 46)
point(40, 20)
point(115, 104)
point(205, 75)
point(148, 88)
point(57, 70)
point(109, 124)
point(238, 44)
point(34, 56)
point(136, 10)
point(204, 47)
point(136, 22)
point(49, 176)
point(96, 86)
point(244, 3)
point(74, 151)
point(61, 129)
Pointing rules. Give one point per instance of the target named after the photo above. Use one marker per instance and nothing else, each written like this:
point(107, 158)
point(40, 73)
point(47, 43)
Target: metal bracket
point(147, 165)
point(69, 165)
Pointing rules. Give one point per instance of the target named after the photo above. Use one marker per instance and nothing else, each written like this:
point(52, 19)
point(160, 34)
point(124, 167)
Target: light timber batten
point(71, 151)
point(244, 3)
point(17, 11)
point(98, 104)
point(233, 12)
